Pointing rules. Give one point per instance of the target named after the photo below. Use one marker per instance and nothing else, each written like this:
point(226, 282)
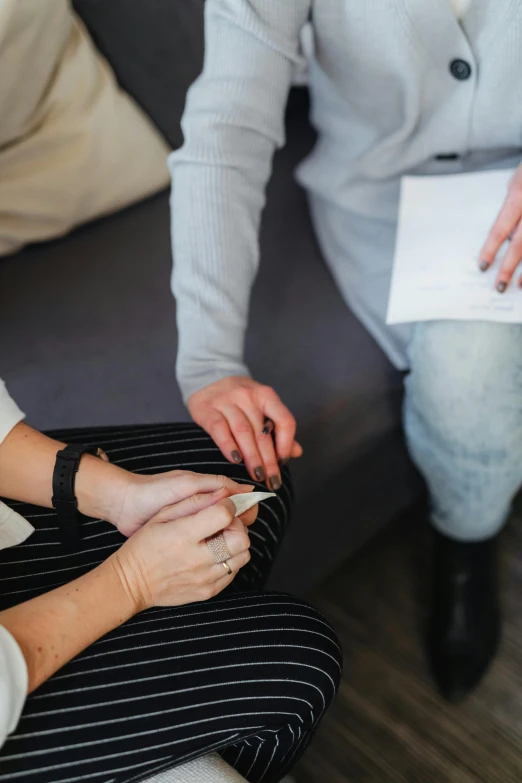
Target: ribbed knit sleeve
point(233, 122)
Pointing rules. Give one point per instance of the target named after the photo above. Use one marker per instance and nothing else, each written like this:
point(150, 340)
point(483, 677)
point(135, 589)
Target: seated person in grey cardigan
point(132, 638)
point(399, 87)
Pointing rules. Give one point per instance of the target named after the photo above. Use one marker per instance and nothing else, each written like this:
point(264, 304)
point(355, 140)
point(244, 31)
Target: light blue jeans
point(463, 422)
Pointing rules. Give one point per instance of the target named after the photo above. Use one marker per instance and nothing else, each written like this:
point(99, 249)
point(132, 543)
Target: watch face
point(102, 455)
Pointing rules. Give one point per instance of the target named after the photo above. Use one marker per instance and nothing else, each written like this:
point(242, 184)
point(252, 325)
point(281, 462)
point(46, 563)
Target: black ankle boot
point(464, 626)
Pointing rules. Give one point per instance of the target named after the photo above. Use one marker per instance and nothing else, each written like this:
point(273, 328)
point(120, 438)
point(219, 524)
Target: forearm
point(233, 122)
point(27, 459)
point(53, 628)
point(215, 247)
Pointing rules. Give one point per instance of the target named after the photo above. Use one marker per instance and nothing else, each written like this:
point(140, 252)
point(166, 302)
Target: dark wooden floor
point(387, 724)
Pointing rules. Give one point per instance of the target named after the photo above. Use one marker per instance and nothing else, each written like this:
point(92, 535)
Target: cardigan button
point(460, 69)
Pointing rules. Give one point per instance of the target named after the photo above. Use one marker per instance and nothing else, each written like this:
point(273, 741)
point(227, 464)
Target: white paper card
point(247, 500)
point(443, 223)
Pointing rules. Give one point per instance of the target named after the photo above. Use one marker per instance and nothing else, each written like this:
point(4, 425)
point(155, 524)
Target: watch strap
point(64, 498)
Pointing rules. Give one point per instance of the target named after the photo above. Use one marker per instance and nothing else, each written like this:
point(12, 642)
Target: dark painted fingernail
point(268, 428)
point(484, 266)
point(501, 287)
point(236, 456)
point(259, 473)
point(284, 462)
point(275, 483)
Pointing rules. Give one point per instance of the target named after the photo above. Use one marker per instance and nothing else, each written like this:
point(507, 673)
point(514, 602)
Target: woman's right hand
point(233, 412)
point(168, 563)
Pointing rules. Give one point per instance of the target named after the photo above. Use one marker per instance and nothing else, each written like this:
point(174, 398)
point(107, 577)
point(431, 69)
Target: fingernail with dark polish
point(501, 287)
point(259, 474)
point(284, 462)
point(275, 483)
point(236, 456)
point(268, 428)
point(484, 266)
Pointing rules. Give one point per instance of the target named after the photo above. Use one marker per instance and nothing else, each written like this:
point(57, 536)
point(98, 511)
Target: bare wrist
point(100, 488)
point(130, 581)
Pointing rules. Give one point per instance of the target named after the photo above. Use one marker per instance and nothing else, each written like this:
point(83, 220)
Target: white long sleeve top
point(13, 530)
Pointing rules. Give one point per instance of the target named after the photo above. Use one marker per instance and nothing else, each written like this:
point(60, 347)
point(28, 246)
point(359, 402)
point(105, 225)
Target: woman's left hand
point(182, 491)
point(508, 225)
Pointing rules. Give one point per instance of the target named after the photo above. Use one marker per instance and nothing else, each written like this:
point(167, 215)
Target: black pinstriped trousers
point(248, 674)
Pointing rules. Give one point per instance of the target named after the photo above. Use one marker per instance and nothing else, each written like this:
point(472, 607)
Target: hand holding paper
point(442, 224)
point(508, 225)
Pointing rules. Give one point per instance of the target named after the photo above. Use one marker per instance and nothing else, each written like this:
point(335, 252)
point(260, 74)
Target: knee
point(462, 383)
point(306, 652)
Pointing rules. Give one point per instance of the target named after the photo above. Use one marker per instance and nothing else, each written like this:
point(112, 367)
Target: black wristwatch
point(64, 499)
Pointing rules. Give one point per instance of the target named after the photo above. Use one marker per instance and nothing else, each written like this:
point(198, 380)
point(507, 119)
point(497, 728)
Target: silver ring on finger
point(218, 548)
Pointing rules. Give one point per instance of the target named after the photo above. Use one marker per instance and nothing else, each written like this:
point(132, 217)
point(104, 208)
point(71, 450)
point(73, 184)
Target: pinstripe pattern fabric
point(248, 673)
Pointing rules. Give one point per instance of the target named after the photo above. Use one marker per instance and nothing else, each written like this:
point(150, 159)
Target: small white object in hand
point(247, 500)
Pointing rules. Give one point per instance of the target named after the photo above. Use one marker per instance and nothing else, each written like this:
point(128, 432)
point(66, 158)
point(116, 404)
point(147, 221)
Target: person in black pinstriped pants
point(248, 673)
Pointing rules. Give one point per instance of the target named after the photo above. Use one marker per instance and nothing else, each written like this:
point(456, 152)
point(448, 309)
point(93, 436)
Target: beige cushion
point(208, 769)
point(73, 145)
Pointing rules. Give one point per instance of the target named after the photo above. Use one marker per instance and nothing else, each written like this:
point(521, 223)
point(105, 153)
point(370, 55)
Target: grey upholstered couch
point(87, 323)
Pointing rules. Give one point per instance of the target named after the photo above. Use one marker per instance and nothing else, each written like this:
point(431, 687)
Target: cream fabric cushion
point(73, 145)
point(208, 769)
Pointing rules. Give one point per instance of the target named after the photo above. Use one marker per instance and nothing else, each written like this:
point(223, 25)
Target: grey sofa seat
point(88, 337)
